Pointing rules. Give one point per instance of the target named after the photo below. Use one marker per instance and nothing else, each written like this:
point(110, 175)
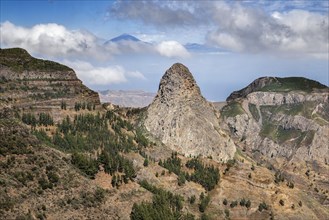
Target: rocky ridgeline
point(27, 82)
point(181, 118)
point(279, 118)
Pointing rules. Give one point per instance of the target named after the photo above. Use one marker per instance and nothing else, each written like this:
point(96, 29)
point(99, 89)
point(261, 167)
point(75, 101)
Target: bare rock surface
point(283, 122)
point(181, 118)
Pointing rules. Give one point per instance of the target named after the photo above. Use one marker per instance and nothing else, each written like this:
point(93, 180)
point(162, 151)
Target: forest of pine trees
point(207, 176)
point(165, 205)
point(86, 133)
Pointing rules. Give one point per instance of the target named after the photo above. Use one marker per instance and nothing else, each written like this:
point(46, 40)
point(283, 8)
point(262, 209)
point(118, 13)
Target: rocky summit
point(181, 118)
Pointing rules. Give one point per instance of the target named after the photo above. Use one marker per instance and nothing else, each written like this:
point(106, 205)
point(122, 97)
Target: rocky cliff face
point(281, 121)
point(30, 82)
point(181, 118)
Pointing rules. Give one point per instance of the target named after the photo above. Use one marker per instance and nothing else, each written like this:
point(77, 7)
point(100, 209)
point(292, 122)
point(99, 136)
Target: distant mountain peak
point(125, 37)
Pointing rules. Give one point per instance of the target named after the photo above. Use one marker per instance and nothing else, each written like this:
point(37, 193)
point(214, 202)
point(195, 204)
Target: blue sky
point(247, 40)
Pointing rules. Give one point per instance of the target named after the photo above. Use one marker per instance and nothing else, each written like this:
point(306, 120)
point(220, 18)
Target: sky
point(237, 41)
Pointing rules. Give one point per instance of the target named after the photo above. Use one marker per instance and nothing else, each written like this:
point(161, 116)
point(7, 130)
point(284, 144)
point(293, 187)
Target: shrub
point(181, 179)
point(281, 202)
point(233, 204)
point(248, 204)
point(192, 199)
point(146, 162)
point(204, 201)
point(262, 206)
point(242, 202)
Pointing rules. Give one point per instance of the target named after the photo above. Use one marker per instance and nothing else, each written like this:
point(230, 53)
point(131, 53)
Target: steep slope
point(284, 117)
point(30, 82)
point(40, 182)
point(181, 118)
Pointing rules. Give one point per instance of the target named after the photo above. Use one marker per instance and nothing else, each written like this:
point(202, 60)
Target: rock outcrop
point(279, 118)
point(27, 82)
point(181, 118)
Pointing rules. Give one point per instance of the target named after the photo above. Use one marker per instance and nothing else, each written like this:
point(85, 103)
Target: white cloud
point(48, 39)
point(172, 49)
point(246, 26)
point(252, 30)
point(56, 41)
point(99, 76)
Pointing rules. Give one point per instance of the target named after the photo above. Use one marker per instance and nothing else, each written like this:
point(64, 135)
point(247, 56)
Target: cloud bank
point(172, 49)
point(53, 41)
point(239, 27)
point(105, 75)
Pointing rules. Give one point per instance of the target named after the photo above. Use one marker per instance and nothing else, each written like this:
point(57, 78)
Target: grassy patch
point(232, 109)
point(304, 109)
point(19, 60)
point(293, 84)
point(280, 135)
point(254, 111)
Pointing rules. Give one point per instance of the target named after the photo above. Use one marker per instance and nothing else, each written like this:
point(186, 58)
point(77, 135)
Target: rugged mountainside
point(98, 163)
point(127, 98)
point(181, 118)
point(282, 117)
point(41, 84)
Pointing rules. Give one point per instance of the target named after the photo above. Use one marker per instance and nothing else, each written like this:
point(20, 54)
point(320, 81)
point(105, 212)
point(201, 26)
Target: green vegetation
point(280, 134)
point(192, 199)
point(304, 109)
point(84, 105)
point(292, 84)
point(14, 139)
point(146, 162)
point(262, 206)
point(43, 119)
point(234, 204)
point(165, 205)
point(63, 105)
point(204, 201)
point(89, 132)
point(281, 202)
point(8, 57)
point(254, 111)
point(207, 176)
point(46, 95)
point(173, 164)
point(232, 109)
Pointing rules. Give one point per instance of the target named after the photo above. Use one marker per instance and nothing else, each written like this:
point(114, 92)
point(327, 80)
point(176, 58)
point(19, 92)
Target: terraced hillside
point(27, 82)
